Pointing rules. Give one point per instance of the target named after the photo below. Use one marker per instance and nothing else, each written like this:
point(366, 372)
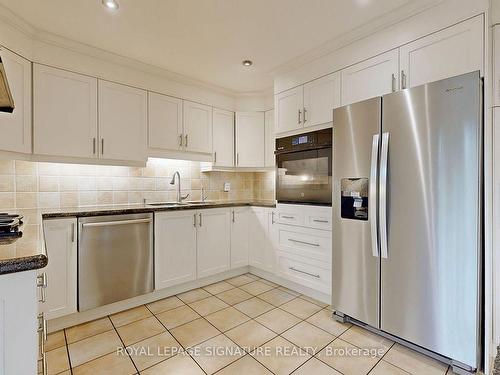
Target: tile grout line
point(124, 346)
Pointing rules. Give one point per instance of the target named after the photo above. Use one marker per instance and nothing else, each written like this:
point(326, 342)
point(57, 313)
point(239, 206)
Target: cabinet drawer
point(307, 272)
point(312, 243)
point(290, 218)
point(318, 220)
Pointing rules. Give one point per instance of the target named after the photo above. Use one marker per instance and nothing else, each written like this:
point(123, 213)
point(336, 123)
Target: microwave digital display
point(299, 140)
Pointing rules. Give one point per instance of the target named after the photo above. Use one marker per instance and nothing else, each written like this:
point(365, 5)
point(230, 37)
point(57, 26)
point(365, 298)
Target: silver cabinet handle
point(403, 79)
point(73, 232)
point(372, 196)
point(237, 158)
point(287, 217)
point(102, 146)
point(186, 140)
point(304, 117)
point(233, 217)
point(304, 272)
point(320, 221)
point(303, 242)
point(194, 220)
point(393, 82)
point(180, 140)
point(298, 118)
point(200, 220)
point(93, 145)
point(120, 222)
point(272, 217)
point(383, 194)
point(41, 282)
point(215, 157)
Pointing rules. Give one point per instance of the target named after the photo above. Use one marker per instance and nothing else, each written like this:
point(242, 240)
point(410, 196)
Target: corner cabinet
point(450, 52)
point(250, 139)
point(197, 127)
point(175, 248)
point(370, 78)
point(213, 241)
point(15, 127)
point(122, 122)
point(223, 138)
point(164, 122)
point(61, 245)
point(65, 113)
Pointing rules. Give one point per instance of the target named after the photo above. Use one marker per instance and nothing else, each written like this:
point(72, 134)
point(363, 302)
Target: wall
point(30, 185)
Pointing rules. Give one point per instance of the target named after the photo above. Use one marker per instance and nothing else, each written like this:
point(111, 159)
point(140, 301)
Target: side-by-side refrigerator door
point(430, 177)
point(356, 262)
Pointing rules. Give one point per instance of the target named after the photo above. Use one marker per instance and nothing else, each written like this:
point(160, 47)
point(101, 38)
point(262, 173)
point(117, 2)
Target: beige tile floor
point(243, 325)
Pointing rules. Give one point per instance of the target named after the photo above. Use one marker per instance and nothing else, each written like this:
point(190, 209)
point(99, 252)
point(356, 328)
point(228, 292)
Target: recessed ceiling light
point(247, 62)
point(110, 4)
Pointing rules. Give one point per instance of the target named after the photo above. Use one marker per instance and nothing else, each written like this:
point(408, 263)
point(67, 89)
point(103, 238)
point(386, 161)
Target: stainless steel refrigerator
point(407, 217)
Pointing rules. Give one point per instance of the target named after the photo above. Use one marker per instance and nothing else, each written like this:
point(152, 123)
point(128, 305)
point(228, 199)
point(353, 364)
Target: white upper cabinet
point(320, 97)
point(175, 248)
point(61, 271)
point(240, 218)
point(213, 239)
point(164, 122)
point(288, 106)
point(250, 139)
point(65, 113)
point(269, 141)
point(455, 50)
point(197, 127)
point(223, 138)
point(122, 122)
point(15, 127)
point(373, 77)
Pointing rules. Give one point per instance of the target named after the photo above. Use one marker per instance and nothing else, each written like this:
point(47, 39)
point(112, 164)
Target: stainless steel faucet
point(180, 198)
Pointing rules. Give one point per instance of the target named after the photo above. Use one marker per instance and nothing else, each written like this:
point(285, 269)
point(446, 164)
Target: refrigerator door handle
point(383, 194)
point(372, 196)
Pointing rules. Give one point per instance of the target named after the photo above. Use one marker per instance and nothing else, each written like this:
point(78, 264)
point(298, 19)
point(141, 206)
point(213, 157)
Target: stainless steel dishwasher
point(115, 258)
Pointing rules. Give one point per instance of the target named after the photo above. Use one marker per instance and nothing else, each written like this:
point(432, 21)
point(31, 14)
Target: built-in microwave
point(304, 168)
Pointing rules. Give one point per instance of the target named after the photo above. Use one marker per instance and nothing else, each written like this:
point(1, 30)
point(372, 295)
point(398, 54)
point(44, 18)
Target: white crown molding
point(385, 21)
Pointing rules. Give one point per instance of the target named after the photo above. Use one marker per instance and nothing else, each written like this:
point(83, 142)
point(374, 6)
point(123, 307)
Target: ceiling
point(207, 39)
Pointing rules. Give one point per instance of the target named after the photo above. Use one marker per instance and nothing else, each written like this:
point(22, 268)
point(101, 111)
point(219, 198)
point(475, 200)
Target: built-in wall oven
point(304, 168)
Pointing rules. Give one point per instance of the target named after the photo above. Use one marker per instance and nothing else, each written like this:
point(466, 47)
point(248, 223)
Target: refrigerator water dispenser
point(354, 198)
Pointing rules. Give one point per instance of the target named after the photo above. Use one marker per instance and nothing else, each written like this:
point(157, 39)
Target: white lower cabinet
point(261, 249)
point(61, 271)
point(175, 248)
point(213, 241)
point(240, 218)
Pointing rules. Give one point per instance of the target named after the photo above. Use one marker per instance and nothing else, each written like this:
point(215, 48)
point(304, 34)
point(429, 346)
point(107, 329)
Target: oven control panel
point(311, 140)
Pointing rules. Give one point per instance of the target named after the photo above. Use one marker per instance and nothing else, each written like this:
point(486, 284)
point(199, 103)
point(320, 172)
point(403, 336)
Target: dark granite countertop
point(85, 211)
point(27, 252)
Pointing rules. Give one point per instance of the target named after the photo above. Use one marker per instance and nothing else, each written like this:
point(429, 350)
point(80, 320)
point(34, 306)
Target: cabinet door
point(223, 126)
point(239, 236)
point(175, 248)
point(373, 77)
point(250, 139)
point(269, 141)
point(15, 127)
point(288, 106)
point(259, 243)
point(447, 53)
point(61, 247)
point(320, 97)
point(213, 241)
point(65, 113)
point(122, 122)
point(164, 122)
point(197, 127)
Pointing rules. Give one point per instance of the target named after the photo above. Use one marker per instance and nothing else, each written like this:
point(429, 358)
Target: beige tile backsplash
point(29, 185)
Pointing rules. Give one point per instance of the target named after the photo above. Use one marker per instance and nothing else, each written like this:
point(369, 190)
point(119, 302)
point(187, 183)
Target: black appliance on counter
point(10, 226)
point(304, 168)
